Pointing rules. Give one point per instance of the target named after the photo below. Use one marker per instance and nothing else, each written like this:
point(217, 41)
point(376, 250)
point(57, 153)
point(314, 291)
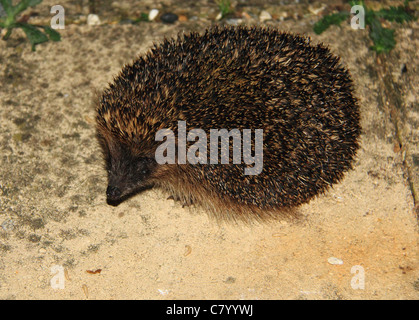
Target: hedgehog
point(298, 95)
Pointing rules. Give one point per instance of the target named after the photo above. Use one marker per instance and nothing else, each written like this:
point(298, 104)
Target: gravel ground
point(57, 231)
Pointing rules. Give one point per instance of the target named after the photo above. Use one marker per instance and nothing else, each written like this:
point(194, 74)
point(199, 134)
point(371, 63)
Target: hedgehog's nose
point(113, 193)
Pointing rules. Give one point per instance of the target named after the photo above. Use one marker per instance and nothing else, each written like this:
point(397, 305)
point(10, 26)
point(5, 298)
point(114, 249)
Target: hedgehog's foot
point(185, 202)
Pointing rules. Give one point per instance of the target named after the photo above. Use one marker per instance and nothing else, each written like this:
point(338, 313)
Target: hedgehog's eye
point(145, 165)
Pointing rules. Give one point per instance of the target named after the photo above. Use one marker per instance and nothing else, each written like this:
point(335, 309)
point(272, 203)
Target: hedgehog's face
point(127, 173)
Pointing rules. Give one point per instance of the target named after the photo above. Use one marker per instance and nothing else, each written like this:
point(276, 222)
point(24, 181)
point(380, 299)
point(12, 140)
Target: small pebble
point(246, 16)
point(153, 14)
point(183, 18)
point(188, 250)
point(85, 290)
point(163, 292)
point(234, 22)
point(408, 31)
point(334, 261)
point(230, 280)
point(3, 32)
point(169, 18)
point(8, 225)
point(93, 20)
point(316, 9)
point(66, 275)
point(126, 21)
point(42, 250)
point(265, 16)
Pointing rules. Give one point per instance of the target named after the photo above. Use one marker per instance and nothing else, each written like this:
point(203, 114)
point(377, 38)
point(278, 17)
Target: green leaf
point(143, 17)
point(34, 35)
point(327, 21)
point(383, 38)
point(398, 14)
point(21, 6)
point(224, 6)
point(356, 3)
point(52, 34)
point(370, 16)
point(33, 3)
point(7, 6)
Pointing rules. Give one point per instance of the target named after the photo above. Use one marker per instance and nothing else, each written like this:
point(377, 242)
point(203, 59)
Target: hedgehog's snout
point(127, 176)
point(113, 193)
point(119, 186)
